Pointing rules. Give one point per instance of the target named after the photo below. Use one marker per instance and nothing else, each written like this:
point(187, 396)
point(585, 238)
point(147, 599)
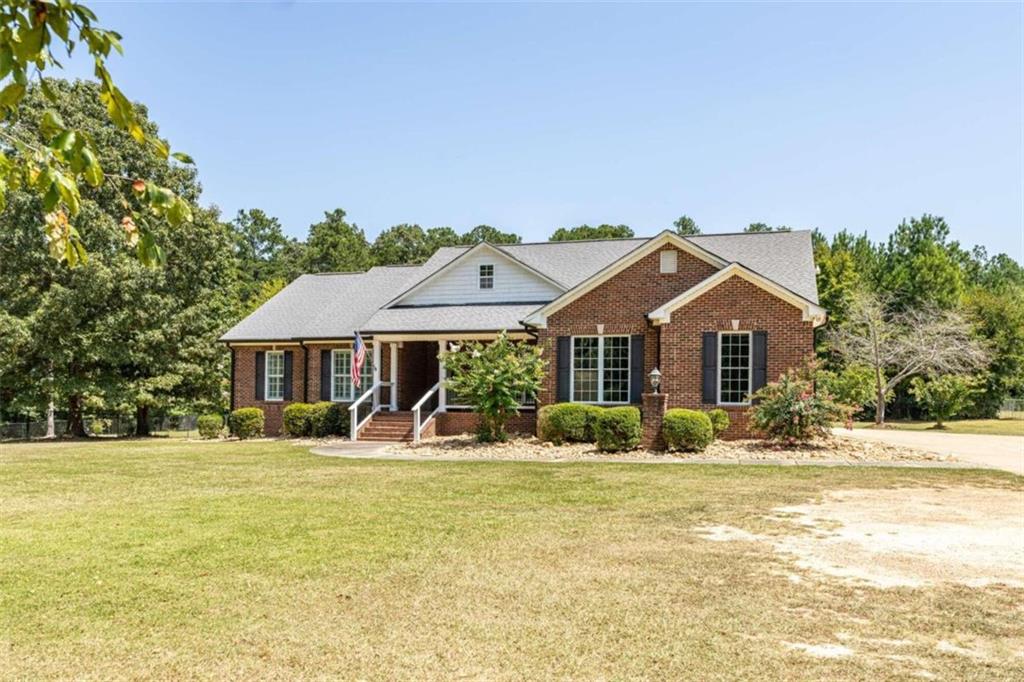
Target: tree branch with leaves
point(51, 158)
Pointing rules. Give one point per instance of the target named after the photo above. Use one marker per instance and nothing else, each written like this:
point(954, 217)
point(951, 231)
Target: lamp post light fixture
point(655, 379)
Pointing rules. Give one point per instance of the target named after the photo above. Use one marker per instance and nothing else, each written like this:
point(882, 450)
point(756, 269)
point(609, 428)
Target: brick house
point(718, 315)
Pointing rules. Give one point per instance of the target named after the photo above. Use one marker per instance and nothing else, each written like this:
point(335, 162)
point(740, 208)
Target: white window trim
point(750, 368)
point(481, 276)
point(600, 369)
point(348, 365)
point(266, 376)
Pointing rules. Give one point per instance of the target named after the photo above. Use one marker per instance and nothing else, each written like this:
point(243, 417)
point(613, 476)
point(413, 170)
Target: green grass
point(158, 559)
point(987, 427)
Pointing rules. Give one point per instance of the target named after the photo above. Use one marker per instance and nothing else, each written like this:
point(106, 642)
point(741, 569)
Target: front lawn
point(166, 559)
point(985, 427)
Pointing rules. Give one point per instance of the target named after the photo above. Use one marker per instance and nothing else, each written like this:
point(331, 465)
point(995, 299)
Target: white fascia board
point(539, 317)
point(811, 311)
point(465, 254)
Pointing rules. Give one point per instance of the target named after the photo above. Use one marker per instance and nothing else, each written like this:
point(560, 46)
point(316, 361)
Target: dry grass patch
point(243, 560)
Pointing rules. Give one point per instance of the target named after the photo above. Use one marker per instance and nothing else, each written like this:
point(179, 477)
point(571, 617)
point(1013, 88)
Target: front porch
point(408, 399)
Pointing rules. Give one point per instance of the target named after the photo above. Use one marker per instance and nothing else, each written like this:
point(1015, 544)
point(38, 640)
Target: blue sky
point(532, 117)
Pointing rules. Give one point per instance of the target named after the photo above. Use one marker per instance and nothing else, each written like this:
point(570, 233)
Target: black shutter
point(636, 368)
point(759, 363)
point(287, 375)
point(261, 372)
point(563, 362)
point(709, 368)
point(325, 375)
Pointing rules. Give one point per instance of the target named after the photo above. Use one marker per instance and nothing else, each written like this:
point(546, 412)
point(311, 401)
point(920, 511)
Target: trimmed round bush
point(296, 419)
point(567, 423)
point(210, 425)
point(328, 419)
point(687, 430)
point(247, 422)
point(617, 429)
point(719, 421)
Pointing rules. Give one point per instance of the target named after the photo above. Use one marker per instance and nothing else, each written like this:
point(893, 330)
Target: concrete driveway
point(996, 452)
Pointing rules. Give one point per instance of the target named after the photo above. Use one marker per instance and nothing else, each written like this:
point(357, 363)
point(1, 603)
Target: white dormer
point(483, 274)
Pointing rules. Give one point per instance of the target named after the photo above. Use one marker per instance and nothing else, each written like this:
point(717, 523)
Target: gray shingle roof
point(327, 306)
point(331, 306)
point(786, 258)
point(456, 318)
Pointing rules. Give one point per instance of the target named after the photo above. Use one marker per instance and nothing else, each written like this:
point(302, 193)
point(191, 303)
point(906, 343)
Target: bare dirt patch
point(906, 537)
point(533, 449)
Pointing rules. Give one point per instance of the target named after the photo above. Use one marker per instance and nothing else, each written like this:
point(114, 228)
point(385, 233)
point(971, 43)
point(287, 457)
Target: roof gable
point(457, 281)
point(539, 317)
point(812, 312)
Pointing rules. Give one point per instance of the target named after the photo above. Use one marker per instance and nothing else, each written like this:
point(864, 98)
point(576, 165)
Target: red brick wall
point(454, 423)
point(621, 304)
point(790, 341)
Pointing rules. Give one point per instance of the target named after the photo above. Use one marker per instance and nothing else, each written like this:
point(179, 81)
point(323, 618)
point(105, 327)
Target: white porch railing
point(353, 410)
point(417, 425)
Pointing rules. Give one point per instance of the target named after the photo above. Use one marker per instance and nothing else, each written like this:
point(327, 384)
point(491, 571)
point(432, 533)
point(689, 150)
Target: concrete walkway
point(995, 452)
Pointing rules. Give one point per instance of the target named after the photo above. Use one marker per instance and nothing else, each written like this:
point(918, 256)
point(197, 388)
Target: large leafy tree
point(491, 235)
point(112, 333)
point(54, 158)
point(334, 245)
point(920, 266)
point(686, 226)
point(603, 231)
point(400, 245)
point(264, 254)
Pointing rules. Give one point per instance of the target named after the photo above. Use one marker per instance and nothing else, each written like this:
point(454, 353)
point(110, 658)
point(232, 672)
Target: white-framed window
point(274, 375)
point(600, 369)
point(669, 261)
point(342, 390)
point(487, 276)
point(735, 359)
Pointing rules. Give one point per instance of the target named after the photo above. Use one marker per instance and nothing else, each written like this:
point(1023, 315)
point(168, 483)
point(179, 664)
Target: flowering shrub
point(494, 377)
point(790, 411)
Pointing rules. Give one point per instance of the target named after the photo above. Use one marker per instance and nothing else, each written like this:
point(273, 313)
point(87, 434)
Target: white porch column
point(394, 377)
point(442, 392)
point(376, 375)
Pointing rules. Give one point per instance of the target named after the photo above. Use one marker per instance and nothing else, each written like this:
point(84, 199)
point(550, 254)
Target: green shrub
point(719, 421)
point(945, 396)
point(328, 419)
point(790, 411)
point(618, 428)
point(296, 419)
point(567, 423)
point(687, 430)
point(247, 422)
point(210, 425)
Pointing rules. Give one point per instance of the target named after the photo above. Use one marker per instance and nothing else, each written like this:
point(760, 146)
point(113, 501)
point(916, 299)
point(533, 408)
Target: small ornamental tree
point(790, 411)
point(494, 378)
point(943, 397)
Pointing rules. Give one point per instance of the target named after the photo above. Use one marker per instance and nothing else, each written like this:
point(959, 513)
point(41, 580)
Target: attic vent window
point(669, 261)
point(487, 276)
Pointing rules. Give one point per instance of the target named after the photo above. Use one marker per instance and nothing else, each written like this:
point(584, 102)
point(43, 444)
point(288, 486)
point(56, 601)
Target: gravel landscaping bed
point(531, 448)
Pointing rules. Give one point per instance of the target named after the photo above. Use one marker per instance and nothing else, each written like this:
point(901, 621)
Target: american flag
point(358, 358)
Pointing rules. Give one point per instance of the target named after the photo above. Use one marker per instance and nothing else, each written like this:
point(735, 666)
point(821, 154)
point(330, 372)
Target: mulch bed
point(530, 448)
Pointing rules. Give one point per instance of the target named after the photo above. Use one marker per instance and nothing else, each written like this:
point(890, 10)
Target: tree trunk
point(51, 429)
point(76, 427)
point(142, 420)
point(879, 398)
